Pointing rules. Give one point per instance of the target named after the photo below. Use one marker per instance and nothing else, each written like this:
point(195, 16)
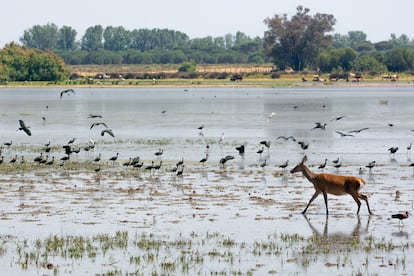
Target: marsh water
point(242, 202)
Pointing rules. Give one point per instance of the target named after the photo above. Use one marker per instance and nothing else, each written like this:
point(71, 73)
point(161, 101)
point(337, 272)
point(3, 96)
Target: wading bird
point(400, 216)
point(322, 166)
point(332, 184)
point(24, 128)
point(240, 149)
point(204, 160)
point(392, 151)
point(114, 158)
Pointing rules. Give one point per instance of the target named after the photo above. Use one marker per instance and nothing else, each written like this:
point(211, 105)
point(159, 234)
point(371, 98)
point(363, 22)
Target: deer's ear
point(305, 158)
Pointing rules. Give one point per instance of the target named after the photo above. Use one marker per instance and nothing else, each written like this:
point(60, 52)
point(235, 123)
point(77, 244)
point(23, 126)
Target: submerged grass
point(151, 254)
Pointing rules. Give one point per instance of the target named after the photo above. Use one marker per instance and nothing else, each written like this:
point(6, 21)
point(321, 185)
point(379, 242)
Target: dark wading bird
point(24, 128)
point(400, 216)
point(70, 90)
point(107, 130)
point(204, 160)
point(334, 184)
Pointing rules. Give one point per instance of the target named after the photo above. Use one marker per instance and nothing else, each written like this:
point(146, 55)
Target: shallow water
point(243, 201)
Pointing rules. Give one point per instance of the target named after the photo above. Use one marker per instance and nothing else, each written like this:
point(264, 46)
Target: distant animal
point(71, 141)
point(70, 90)
point(204, 160)
point(225, 159)
point(24, 128)
point(200, 127)
point(400, 216)
point(92, 116)
point(240, 149)
point(322, 166)
point(319, 125)
point(332, 184)
point(159, 152)
point(342, 134)
point(393, 150)
point(358, 130)
point(8, 144)
point(265, 143)
point(109, 131)
point(284, 165)
point(114, 158)
point(338, 118)
point(98, 124)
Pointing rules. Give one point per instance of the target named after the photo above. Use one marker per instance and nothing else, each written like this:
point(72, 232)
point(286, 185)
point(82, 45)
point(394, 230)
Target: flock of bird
point(136, 162)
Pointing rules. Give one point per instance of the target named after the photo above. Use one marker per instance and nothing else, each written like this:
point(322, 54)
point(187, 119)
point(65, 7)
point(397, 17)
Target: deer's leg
point(315, 195)
point(355, 197)
point(325, 197)
point(364, 197)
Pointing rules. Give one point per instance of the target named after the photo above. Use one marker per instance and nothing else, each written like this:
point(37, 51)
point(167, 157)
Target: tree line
point(302, 42)
point(116, 45)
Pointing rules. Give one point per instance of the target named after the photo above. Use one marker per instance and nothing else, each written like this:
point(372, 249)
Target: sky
point(378, 19)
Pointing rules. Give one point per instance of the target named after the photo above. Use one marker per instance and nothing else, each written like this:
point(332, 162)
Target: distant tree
point(366, 63)
point(41, 37)
point(67, 39)
point(383, 45)
point(116, 38)
point(365, 46)
point(24, 64)
point(337, 58)
point(341, 41)
point(188, 66)
point(356, 38)
point(401, 41)
point(400, 59)
point(92, 40)
point(297, 42)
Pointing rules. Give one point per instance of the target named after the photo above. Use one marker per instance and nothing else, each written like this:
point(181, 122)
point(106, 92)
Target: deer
point(326, 183)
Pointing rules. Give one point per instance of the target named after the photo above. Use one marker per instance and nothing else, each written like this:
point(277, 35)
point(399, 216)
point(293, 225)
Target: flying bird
point(24, 128)
point(344, 134)
point(70, 90)
point(358, 130)
point(97, 124)
point(319, 125)
point(92, 116)
point(107, 130)
point(338, 118)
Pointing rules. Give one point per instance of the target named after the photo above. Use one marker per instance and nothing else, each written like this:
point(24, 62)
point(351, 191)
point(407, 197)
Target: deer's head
point(299, 167)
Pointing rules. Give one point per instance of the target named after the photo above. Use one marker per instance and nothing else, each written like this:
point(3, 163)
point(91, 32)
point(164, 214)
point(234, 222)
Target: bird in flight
point(24, 128)
point(338, 118)
point(107, 130)
point(358, 130)
point(70, 90)
point(344, 134)
point(97, 124)
point(91, 116)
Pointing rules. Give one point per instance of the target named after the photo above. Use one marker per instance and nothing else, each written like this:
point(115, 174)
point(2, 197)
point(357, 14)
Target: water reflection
point(338, 239)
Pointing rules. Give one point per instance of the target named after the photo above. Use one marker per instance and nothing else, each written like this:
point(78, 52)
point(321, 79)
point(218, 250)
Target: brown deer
point(332, 184)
